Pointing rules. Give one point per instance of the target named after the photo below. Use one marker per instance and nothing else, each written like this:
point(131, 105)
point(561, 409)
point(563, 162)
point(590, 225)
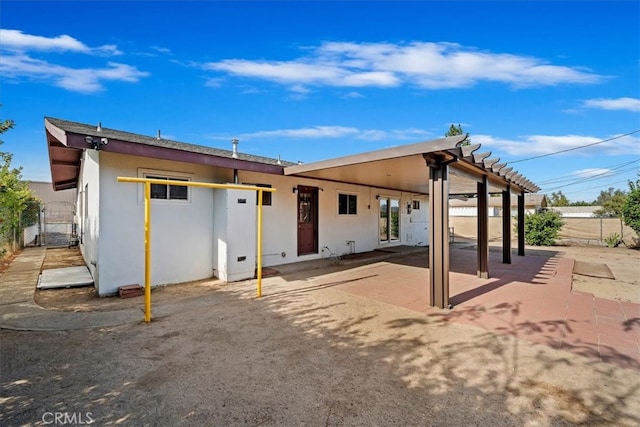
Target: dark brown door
point(307, 220)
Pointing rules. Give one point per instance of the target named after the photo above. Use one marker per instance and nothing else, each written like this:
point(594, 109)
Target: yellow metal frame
point(147, 226)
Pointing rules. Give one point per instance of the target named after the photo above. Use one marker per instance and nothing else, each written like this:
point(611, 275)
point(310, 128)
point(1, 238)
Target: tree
point(542, 228)
point(631, 207)
point(457, 130)
point(612, 202)
point(14, 193)
point(558, 199)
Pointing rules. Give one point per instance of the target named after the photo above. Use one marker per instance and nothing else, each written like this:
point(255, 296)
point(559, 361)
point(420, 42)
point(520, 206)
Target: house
point(56, 217)
point(468, 206)
point(358, 203)
point(578, 211)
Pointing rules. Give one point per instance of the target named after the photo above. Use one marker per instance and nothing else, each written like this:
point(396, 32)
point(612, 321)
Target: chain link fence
point(19, 228)
point(39, 224)
point(574, 231)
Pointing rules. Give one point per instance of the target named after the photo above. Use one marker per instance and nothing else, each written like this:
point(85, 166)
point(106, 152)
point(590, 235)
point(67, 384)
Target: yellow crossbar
point(147, 226)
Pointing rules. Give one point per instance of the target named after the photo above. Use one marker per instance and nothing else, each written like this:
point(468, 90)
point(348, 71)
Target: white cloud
point(336, 132)
point(426, 65)
point(17, 40)
point(85, 80)
point(305, 133)
point(534, 145)
point(352, 95)
point(19, 62)
point(625, 103)
point(588, 173)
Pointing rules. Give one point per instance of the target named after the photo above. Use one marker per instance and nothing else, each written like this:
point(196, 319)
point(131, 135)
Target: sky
point(551, 88)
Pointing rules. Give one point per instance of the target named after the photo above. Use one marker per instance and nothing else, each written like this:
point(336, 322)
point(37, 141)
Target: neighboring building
point(351, 204)
point(469, 206)
point(577, 211)
point(55, 225)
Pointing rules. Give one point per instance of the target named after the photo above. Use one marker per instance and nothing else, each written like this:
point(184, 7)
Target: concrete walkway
point(19, 311)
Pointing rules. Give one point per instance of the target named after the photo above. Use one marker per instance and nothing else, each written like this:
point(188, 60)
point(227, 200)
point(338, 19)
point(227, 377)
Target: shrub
point(542, 228)
point(613, 240)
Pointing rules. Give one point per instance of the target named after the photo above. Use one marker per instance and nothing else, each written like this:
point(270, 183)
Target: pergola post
point(521, 224)
point(506, 226)
point(483, 228)
point(438, 230)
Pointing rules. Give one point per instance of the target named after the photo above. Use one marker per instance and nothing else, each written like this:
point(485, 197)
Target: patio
point(531, 299)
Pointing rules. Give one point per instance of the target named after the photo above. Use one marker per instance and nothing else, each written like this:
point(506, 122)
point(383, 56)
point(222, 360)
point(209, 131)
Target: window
point(169, 192)
point(416, 205)
point(347, 204)
point(266, 195)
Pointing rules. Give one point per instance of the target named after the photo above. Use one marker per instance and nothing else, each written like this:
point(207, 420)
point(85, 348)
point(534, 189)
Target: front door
point(307, 220)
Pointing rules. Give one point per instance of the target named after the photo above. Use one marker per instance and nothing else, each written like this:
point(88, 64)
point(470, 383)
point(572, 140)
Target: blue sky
point(311, 80)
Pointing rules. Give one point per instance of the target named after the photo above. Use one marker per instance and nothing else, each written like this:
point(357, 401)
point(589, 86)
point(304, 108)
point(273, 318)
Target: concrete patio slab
point(65, 278)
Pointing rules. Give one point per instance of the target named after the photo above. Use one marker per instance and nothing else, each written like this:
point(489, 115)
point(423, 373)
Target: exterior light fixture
point(96, 143)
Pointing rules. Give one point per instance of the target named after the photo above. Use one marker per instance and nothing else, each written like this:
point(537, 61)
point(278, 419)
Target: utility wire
point(590, 178)
point(574, 148)
point(573, 177)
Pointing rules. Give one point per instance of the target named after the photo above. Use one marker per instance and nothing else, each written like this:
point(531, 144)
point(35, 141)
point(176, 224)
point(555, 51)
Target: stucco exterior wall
point(87, 210)
point(181, 231)
point(183, 242)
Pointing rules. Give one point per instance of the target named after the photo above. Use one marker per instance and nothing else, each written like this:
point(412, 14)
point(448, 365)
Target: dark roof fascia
point(72, 134)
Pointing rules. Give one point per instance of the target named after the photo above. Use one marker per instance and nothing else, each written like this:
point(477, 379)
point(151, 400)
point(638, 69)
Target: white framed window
point(347, 204)
point(166, 192)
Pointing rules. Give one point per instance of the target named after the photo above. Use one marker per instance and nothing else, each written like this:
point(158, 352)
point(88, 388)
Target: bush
point(542, 228)
point(613, 241)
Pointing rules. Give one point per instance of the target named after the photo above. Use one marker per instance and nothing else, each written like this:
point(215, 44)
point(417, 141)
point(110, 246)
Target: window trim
point(349, 195)
point(268, 195)
point(169, 175)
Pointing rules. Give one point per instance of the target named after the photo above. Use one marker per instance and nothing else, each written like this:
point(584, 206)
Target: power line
point(602, 175)
point(572, 177)
point(575, 148)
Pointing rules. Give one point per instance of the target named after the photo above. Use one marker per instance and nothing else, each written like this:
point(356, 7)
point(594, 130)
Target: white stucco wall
point(234, 234)
point(185, 243)
point(87, 210)
point(334, 230)
point(181, 231)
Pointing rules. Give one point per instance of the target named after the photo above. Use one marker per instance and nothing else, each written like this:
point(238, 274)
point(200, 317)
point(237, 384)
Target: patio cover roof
point(403, 168)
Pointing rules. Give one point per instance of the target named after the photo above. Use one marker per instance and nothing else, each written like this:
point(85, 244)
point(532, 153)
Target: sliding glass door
point(389, 220)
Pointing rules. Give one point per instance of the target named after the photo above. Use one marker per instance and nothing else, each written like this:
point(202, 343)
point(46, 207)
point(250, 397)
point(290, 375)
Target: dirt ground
point(306, 354)
point(622, 263)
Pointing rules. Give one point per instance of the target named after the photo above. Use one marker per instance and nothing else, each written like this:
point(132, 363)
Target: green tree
point(558, 199)
point(612, 202)
point(631, 207)
point(457, 130)
point(542, 228)
point(14, 192)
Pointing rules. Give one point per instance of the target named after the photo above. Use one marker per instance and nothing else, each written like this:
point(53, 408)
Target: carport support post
point(438, 231)
point(521, 224)
point(483, 228)
point(506, 226)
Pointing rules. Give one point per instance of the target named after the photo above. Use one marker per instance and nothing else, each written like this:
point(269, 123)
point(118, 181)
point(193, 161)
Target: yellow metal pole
point(259, 243)
point(147, 251)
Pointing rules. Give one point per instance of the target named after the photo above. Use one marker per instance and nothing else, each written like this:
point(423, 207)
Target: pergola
point(441, 169)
